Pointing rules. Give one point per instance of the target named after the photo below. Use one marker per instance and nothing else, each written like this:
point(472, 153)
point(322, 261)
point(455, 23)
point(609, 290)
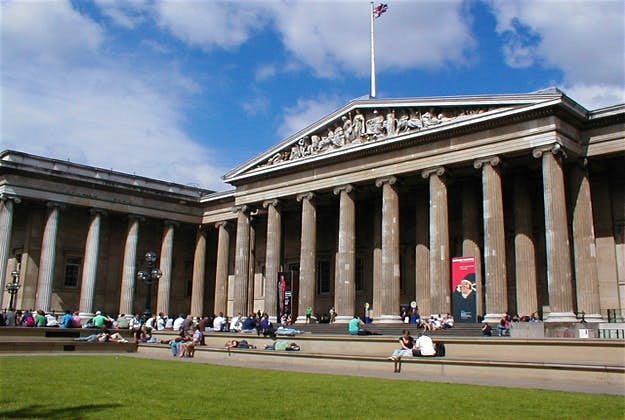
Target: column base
point(343, 319)
point(85, 317)
point(493, 318)
point(301, 319)
point(388, 319)
point(593, 318)
point(561, 317)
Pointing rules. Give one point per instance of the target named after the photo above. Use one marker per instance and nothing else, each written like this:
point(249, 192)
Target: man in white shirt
point(178, 323)
point(424, 346)
point(218, 322)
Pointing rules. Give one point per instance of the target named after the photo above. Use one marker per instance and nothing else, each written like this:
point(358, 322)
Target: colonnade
point(432, 252)
point(433, 255)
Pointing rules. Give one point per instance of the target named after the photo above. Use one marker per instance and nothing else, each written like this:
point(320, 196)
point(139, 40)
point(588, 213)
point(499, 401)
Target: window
point(72, 271)
point(323, 277)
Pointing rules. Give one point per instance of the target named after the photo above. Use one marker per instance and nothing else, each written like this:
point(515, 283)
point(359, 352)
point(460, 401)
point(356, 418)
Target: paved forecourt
point(593, 366)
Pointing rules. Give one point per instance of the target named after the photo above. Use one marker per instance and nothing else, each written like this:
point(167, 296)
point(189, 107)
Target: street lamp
point(150, 276)
point(13, 287)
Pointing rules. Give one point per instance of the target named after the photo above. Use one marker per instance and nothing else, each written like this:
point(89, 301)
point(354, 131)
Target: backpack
point(440, 349)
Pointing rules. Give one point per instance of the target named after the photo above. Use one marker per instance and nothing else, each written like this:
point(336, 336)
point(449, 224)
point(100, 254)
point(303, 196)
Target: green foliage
point(84, 387)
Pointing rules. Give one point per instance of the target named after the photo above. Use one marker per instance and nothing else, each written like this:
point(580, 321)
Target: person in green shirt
point(308, 314)
point(40, 318)
point(99, 320)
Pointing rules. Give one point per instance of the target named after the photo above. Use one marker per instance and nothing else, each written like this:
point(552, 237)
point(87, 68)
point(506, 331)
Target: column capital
point(241, 209)
point(135, 218)
point(274, 202)
point(221, 223)
point(489, 160)
point(173, 223)
point(555, 149)
point(55, 204)
point(390, 180)
point(5, 197)
point(348, 188)
point(305, 196)
point(438, 171)
point(95, 211)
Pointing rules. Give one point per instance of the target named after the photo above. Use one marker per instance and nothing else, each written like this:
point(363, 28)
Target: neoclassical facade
point(366, 207)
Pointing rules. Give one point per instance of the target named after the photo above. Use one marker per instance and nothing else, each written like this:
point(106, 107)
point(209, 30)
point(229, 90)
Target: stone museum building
point(367, 207)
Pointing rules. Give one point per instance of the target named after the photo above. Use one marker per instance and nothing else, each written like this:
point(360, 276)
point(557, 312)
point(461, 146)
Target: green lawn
point(83, 387)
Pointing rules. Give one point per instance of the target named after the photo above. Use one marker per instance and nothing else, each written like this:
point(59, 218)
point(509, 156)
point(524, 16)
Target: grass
point(95, 387)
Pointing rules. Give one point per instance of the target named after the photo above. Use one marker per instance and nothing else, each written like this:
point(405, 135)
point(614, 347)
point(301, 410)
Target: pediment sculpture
point(357, 127)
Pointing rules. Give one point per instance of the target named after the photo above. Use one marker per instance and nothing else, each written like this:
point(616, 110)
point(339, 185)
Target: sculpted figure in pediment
point(348, 128)
point(359, 126)
point(339, 137)
point(390, 124)
point(375, 125)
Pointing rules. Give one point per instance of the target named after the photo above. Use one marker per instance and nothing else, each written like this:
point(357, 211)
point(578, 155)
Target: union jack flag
point(379, 10)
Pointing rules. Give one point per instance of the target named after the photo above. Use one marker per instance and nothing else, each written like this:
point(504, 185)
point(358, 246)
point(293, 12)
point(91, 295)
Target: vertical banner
point(285, 294)
point(464, 300)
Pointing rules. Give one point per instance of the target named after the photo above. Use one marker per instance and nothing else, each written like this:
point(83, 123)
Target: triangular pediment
point(366, 123)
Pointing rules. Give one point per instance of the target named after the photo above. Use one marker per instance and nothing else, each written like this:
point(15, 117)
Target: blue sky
point(184, 91)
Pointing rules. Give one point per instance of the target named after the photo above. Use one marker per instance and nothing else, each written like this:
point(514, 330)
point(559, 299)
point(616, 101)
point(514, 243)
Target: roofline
point(15, 159)
point(540, 99)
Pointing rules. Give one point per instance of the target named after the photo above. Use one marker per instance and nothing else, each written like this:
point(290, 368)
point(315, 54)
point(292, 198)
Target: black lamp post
point(13, 287)
point(150, 276)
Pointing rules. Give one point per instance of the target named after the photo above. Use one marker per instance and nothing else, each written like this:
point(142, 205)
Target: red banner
point(464, 289)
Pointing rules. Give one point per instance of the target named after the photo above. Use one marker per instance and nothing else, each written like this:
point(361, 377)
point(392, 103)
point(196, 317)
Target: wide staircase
point(20, 340)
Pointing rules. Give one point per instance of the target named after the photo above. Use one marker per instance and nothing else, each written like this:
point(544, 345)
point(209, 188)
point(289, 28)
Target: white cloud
point(265, 72)
point(306, 112)
point(331, 38)
point(103, 112)
point(258, 105)
point(338, 41)
point(127, 15)
point(582, 38)
point(594, 96)
point(210, 24)
point(46, 30)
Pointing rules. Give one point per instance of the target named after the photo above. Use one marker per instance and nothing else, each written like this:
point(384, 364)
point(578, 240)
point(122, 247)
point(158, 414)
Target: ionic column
point(586, 274)
point(471, 225)
point(46, 262)
point(308, 254)
point(439, 242)
point(272, 258)
point(90, 265)
point(6, 227)
point(165, 265)
point(129, 270)
point(389, 287)
point(251, 265)
point(422, 258)
point(524, 249)
point(221, 267)
point(199, 269)
point(241, 261)
point(496, 289)
point(559, 275)
point(345, 273)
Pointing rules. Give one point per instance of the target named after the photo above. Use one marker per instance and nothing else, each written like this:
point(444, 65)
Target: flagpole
point(372, 56)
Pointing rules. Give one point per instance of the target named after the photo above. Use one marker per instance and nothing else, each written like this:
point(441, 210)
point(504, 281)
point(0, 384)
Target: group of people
point(39, 318)
point(423, 346)
point(506, 322)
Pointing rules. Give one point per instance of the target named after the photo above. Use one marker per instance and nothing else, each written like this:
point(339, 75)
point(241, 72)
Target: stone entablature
point(10, 159)
point(44, 179)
